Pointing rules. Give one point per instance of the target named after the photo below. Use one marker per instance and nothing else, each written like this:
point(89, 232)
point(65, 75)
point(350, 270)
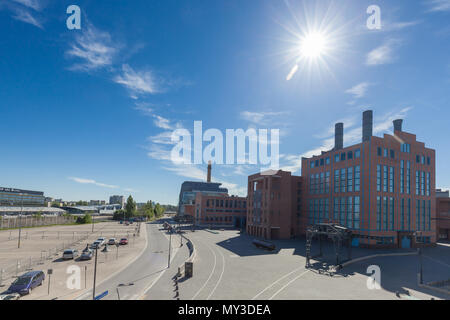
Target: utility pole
point(20, 222)
point(170, 245)
point(95, 273)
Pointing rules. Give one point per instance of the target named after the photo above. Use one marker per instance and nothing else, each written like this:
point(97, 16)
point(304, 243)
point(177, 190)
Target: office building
point(18, 197)
point(117, 200)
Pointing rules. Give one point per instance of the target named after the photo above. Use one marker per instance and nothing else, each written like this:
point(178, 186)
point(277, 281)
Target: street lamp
point(170, 245)
point(418, 234)
point(95, 272)
point(20, 221)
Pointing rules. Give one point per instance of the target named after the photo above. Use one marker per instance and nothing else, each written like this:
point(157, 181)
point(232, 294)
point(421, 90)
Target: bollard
point(1, 277)
point(17, 267)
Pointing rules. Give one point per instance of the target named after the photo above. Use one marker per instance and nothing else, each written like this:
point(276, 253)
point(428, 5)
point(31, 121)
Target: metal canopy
point(328, 231)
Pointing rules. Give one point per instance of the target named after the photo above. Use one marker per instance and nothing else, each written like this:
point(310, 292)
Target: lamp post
point(170, 245)
point(418, 234)
point(20, 222)
point(95, 272)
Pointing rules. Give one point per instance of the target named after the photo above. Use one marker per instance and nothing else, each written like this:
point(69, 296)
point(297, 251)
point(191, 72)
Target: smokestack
point(338, 136)
point(398, 125)
point(367, 125)
point(208, 179)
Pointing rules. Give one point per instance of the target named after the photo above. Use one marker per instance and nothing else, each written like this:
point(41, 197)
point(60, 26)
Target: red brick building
point(442, 215)
point(220, 209)
point(273, 204)
point(383, 186)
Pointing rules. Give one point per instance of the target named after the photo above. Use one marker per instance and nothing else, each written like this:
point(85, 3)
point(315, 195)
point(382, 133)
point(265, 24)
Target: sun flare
point(313, 45)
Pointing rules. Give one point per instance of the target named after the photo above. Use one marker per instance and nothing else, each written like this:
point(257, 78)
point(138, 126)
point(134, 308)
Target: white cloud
point(33, 4)
point(138, 82)
point(438, 5)
point(90, 181)
point(359, 90)
point(260, 118)
point(25, 16)
point(383, 54)
point(162, 122)
point(94, 48)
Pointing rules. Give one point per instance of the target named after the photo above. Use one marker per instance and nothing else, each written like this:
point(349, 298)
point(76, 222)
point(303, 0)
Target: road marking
point(270, 286)
point(436, 260)
point(212, 271)
point(287, 284)
point(220, 278)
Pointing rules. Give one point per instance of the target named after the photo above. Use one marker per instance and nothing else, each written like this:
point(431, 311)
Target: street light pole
point(170, 245)
point(95, 273)
point(20, 222)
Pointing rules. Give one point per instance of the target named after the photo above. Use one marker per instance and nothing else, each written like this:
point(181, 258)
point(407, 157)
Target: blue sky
point(87, 113)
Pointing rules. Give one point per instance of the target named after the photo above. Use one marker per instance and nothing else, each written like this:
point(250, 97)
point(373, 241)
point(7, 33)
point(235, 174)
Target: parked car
point(70, 254)
point(96, 244)
point(10, 296)
point(123, 241)
point(121, 221)
point(112, 241)
point(27, 282)
point(86, 255)
point(102, 240)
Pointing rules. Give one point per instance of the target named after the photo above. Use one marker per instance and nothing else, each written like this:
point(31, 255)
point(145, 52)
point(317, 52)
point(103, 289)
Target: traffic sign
point(102, 295)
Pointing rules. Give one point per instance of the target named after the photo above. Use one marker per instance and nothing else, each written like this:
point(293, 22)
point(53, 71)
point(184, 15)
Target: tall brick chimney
point(338, 136)
point(367, 125)
point(398, 125)
point(208, 178)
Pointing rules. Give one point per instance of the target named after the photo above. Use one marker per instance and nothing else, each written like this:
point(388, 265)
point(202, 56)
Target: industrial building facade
point(442, 215)
point(220, 209)
point(383, 187)
point(274, 204)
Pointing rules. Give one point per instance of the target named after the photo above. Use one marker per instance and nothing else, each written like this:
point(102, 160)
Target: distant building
point(273, 204)
point(30, 210)
point(217, 208)
point(189, 190)
point(117, 200)
point(97, 202)
point(442, 215)
point(17, 197)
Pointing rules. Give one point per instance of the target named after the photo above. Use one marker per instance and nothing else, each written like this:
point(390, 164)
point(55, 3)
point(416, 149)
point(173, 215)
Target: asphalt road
point(141, 275)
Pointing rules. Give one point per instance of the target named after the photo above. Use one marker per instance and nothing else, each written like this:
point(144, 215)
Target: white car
point(102, 240)
point(70, 254)
point(10, 296)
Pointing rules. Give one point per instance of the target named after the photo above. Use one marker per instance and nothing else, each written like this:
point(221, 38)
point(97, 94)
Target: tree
point(118, 214)
point(159, 210)
point(84, 219)
point(147, 210)
point(130, 207)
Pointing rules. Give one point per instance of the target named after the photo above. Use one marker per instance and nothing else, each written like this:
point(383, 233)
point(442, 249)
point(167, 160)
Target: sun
point(313, 45)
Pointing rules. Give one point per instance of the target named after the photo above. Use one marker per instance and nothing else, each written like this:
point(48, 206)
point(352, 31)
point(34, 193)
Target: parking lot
point(42, 248)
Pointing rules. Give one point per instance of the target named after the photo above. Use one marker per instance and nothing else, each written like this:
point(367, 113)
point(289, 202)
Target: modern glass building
point(17, 197)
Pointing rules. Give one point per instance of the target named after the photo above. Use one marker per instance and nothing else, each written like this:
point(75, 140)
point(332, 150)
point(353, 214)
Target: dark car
point(27, 282)
point(123, 241)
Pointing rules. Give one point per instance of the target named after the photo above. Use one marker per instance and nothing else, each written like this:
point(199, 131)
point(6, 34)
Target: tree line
point(149, 210)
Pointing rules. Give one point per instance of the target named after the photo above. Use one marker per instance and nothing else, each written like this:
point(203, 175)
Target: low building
point(442, 215)
point(274, 204)
point(18, 197)
point(13, 211)
point(212, 208)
